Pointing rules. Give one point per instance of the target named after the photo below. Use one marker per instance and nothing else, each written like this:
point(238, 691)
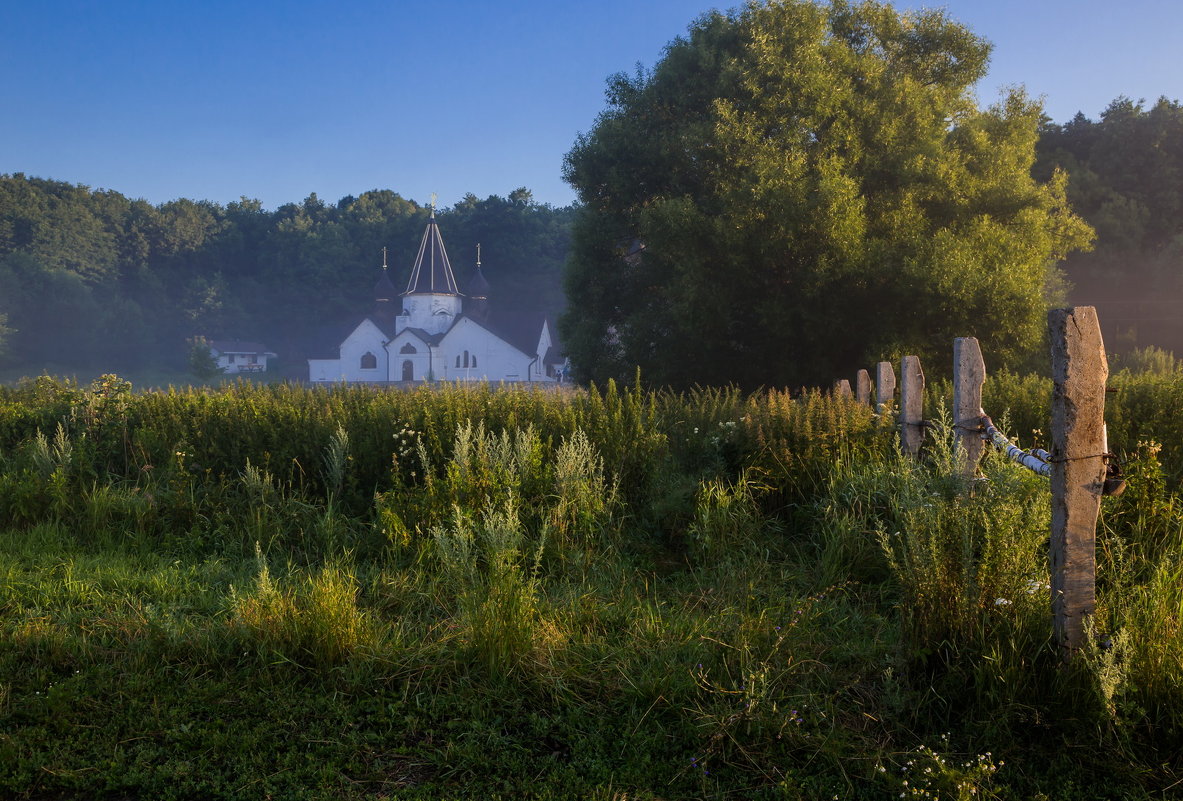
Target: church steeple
point(476, 292)
point(432, 301)
point(432, 273)
point(384, 294)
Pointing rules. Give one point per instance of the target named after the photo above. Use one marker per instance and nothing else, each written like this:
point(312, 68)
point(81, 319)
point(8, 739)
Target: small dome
point(384, 289)
point(477, 286)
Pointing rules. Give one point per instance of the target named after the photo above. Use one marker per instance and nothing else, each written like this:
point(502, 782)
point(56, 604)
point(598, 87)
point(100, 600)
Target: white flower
point(1001, 602)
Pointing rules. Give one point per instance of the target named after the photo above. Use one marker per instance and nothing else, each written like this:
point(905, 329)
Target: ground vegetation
point(614, 593)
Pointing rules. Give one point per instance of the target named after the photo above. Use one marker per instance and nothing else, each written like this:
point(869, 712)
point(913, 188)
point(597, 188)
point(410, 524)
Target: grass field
point(271, 591)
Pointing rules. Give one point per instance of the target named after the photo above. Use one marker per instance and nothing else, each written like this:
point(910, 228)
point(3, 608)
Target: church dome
point(384, 290)
point(432, 273)
point(477, 286)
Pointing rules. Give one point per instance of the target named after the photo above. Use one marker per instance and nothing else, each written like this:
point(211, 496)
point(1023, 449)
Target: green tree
point(1126, 180)
point(797, 189)
point(201, 360)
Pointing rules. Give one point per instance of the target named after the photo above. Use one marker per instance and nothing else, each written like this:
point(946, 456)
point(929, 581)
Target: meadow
point(271, 591)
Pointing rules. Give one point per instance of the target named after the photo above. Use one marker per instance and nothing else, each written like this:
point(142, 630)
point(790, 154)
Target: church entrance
point(408, 371)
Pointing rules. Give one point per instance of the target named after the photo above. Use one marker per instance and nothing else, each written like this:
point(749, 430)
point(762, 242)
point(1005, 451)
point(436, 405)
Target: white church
point(440, 333)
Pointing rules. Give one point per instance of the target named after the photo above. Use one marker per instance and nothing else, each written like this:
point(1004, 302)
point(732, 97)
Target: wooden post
point(842, 389)
point(884, 386)
point(969, 374)
point(1079, 372)
point(911, 405)
point(862, 387)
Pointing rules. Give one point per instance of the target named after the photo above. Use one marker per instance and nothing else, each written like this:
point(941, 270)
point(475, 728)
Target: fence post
point(969, 374)
point(911, 405)
point(862, 384)
point(1079, 372)
point(842, 388)
point(884, 386)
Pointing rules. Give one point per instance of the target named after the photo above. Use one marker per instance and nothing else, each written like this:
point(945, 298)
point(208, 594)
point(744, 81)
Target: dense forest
point(93, 281)
point(1126, 178)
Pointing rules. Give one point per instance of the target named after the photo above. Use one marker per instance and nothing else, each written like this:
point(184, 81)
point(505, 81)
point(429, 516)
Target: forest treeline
point(1126, 179)
point(93, 280)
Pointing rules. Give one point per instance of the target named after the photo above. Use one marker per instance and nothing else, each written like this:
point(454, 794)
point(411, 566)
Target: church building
point(440, 333)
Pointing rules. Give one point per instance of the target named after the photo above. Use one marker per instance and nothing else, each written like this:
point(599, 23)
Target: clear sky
point(217, 99)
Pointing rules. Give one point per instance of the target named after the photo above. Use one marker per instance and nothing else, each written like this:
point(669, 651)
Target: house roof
point(522, 330)
point(239, 346)
point(430, 339)
point(554, 355)
point(324, 342)
point(384, 324)
point(432, 273)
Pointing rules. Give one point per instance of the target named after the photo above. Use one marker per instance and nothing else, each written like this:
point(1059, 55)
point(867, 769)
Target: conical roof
point(432, 273)
point(384, 290)
point(477, 286)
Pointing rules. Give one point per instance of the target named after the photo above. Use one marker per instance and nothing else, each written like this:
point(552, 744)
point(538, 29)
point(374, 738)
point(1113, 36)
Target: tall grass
point(707, 594)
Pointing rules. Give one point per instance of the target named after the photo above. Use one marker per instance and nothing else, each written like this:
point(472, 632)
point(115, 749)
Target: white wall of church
point(407, 349)
point(433, 313)
point(360, 350)
point(496, 359)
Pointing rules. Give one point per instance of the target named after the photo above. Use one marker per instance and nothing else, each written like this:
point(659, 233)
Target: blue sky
point(215, 100)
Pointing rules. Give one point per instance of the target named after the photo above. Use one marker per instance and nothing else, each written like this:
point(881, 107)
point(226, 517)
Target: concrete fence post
point(969, 374)
point(884, 386)
point(862, 387)
point(1079, 373)
point(911, 405)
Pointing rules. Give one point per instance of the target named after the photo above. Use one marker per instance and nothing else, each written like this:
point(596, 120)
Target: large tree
point(796, 189)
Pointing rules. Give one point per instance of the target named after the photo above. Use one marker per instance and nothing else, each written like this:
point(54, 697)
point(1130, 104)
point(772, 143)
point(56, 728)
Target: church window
point(457, 359)
point(465, 358)
point(474, 360)
point(369, 362)
point(408, 348)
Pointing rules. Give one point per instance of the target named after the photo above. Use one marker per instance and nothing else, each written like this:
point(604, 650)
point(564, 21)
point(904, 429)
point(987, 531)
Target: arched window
point(369, 362)
point(408, 348)
point(474, 360)
point(457, 360)
point(465, 358)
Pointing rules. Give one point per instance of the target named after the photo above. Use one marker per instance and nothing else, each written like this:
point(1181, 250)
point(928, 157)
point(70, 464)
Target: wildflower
point(1001, 602)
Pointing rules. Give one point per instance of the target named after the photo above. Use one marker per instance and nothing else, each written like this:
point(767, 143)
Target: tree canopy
point(90, 279)
point(1126, 180)
point(796, 189)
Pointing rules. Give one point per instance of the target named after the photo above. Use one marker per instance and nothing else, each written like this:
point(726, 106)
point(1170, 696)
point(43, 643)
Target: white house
point(235, 356)
point(440, 333)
